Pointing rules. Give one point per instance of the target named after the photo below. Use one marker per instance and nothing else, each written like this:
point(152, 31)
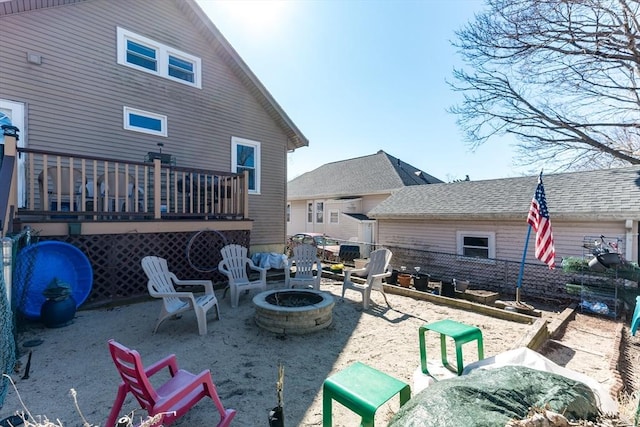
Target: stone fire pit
point(293, 311)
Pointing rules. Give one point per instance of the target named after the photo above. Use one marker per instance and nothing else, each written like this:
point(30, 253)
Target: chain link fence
point(7, 324)
point(10, 318)
point(538, 282)
point(9, 302)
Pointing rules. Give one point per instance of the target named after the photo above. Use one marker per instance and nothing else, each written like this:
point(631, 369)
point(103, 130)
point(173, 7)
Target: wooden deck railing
point(64, 186)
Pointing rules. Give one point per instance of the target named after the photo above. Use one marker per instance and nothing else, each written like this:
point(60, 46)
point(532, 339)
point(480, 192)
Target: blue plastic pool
point(38, 264)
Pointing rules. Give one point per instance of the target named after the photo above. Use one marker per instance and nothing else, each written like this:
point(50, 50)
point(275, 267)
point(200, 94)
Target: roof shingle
point(372, 174)
point(598, 194)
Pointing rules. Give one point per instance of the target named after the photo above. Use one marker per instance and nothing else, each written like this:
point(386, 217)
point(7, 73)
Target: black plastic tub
point(447, 290)
point(393, 279)
point(421, 282)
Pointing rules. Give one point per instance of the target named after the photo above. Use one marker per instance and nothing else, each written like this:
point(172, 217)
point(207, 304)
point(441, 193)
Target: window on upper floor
point(144, 121)
point(474, 244)
point(147, 55)
point(245, 156)
point(288, 214)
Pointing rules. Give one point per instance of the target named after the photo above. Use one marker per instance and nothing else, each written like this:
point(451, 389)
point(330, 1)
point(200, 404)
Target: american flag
point(538, 218)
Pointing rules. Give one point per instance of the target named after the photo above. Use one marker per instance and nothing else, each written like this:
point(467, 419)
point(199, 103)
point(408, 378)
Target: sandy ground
point(244, 359)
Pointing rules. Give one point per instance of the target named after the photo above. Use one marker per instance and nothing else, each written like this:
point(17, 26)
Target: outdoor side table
point(460, 333)
point(363, 390)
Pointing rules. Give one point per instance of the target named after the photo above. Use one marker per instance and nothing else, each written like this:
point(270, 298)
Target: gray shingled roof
point(373, 174)
point(592, 195)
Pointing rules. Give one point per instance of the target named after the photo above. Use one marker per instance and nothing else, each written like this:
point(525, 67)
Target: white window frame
point(334, 213)
point(126, 122)
point(288, 213)
point(310, 212)
point(235, 141)
point(162, 57)
point(491, 244)
point(319, 211)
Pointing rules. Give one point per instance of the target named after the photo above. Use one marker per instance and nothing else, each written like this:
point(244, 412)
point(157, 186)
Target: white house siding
point(332, 229)
point(351, 206)
point(440, 236)
point(348, 228)
point(298, 217)
point(371, 201)
point(75, 98)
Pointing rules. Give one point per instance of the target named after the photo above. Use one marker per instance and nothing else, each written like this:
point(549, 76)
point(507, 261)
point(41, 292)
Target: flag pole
point(524, 257)
point(524, 254)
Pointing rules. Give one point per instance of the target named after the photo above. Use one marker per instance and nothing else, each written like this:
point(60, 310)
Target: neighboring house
point(488, 219)
point(336, 198)
point(119, 79)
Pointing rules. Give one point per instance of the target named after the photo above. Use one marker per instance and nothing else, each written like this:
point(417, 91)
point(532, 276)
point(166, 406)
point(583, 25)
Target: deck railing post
point(245, 194)
point(157, 191)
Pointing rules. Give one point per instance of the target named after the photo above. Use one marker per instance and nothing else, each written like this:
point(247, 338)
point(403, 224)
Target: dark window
point(476, 247)
point(145, 122)
point(181, 69)
point(141, 56)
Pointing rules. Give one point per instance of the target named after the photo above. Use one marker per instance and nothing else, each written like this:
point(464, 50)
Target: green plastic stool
point(460, 333)
point(363, 390)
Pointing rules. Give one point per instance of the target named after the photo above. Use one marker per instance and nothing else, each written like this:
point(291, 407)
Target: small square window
point(476, 244)
point(334, 217)
point(145, 122)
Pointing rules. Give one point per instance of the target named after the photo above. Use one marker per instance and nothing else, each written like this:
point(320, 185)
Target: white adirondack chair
point(161, 285)
point(376, 270)
point(235, 265)
point(305, 258)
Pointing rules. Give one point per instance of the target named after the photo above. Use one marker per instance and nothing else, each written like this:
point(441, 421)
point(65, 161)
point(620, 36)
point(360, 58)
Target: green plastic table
point(460, 333)
point(363, 390)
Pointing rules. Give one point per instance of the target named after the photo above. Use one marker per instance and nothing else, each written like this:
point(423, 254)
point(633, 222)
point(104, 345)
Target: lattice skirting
point(115, 258)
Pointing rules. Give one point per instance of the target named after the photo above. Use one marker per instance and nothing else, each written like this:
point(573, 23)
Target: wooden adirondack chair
point(161, 285)
point(174, 398)
point(376, 270)
point(235, 265)
point(305, 258)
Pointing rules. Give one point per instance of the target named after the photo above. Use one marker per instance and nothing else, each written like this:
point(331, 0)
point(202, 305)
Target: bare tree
point(561, 75)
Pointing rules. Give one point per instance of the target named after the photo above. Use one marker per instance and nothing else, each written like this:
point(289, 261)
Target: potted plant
point(420, 280)
point(59, 308)
point(460, 285)
point(404, 280)
point(393, 279)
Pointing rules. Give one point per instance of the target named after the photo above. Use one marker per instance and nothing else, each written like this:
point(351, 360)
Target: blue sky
point(361, 76)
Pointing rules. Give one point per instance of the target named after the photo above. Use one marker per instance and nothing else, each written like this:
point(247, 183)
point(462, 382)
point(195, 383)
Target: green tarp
point(490, 398)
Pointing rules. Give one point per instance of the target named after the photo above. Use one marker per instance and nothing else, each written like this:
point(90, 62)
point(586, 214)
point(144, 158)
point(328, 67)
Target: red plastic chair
point(173, 398)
